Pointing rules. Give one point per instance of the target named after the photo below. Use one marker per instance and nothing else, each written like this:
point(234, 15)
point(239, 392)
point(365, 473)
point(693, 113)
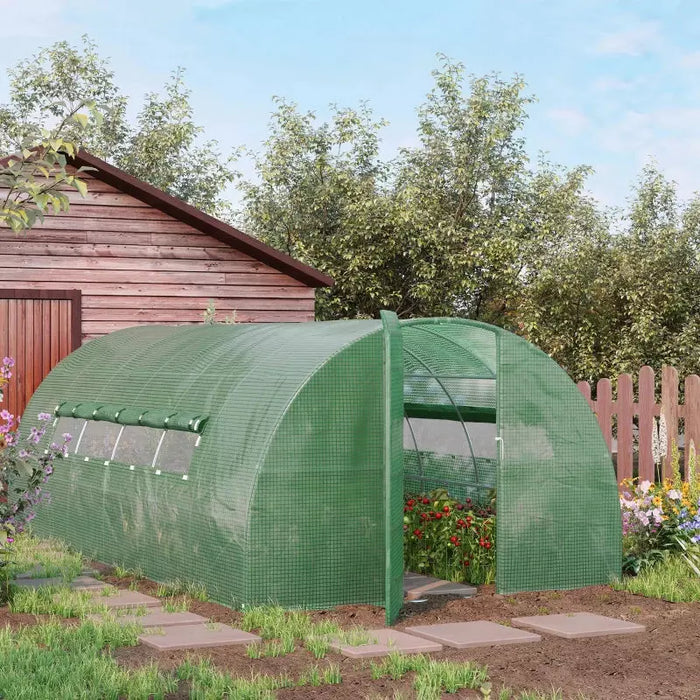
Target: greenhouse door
point(393, 465)
point(38, 328)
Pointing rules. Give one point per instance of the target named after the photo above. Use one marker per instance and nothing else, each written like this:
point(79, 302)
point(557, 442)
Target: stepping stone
point(158, 618)
point(578, 625)
point(36, 572)
point(418, 586)
point(197, 636)
point(462, 635)
point(37, 582)
point(384, 641)
point(87, 582)
point(124, 599)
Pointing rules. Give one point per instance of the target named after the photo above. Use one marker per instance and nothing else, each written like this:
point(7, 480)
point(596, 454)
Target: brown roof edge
point(201, 221)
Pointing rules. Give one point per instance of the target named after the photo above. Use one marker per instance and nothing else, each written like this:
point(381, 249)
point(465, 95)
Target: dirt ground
point(663, 662)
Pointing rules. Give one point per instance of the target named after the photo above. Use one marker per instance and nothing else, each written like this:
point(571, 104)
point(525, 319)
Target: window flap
point(188, 421)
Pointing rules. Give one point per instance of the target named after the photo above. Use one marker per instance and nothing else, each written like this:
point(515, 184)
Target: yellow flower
point(656, 500)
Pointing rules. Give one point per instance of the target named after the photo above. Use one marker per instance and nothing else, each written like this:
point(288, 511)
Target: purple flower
point(44, 416)
point(23, 454)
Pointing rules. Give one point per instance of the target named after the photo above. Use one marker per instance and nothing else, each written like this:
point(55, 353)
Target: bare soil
point(663, 662)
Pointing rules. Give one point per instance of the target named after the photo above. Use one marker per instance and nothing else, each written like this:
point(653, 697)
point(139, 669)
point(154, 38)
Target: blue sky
point(616, 82)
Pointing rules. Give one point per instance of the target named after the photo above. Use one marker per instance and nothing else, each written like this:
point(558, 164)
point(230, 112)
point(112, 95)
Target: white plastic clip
point(132, 467)
point(157, 471)
point(184, 477)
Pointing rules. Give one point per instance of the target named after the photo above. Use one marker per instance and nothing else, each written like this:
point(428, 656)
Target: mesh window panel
point(72, 426)
point(176, 451)
point(137, 445)
point(98, 440)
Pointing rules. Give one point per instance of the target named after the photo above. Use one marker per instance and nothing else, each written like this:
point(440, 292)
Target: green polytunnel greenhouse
point(268, 462)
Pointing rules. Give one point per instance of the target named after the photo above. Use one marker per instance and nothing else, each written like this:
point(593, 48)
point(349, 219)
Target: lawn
point(57, 643)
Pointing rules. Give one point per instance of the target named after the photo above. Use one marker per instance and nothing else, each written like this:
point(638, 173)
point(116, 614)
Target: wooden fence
point(645, 414)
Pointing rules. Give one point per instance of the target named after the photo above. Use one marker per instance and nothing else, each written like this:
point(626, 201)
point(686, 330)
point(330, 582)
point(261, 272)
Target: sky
point(617, 83)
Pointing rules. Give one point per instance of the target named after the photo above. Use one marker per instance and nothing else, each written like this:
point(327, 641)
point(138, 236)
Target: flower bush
point(24, 469)
point(658, 519)
point(449, 539)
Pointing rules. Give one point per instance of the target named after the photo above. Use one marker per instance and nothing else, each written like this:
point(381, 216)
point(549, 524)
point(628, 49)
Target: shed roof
point(203, 222)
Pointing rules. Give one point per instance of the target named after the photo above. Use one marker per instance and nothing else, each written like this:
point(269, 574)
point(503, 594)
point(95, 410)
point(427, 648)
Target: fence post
point(646, 410)
point(585, 389)
point(625, 417)
point(669, 410)
point(604, 404)
point(692, 416)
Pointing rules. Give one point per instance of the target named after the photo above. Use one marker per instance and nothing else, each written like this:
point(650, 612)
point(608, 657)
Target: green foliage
point(433, 678)
point(672, 578)
point(448, 539)
point(209, 684)
point(49, 558)
point(163, 146)
point(70, 660)
point(49, 600)
point(274, 622)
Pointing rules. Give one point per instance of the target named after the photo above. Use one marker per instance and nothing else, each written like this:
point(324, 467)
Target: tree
point(163, 147)
point(446, 228)
point(33, 179)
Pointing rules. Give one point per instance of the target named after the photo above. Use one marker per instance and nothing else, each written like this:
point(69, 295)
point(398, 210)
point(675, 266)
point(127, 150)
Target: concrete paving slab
point(196, 636)
point(158, 618)
point(462, 635)
point(87, 582)
point(37, 582)
point(124, 599)
point(578, 625)
point(383, 642)
point(37, 571)
point(418, 586)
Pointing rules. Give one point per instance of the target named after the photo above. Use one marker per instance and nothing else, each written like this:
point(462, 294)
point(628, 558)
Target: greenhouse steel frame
point(269, 462)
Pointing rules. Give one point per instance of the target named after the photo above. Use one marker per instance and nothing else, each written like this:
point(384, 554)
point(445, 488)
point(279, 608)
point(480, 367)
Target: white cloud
point(638, 40)
point(610, 84)
point(40, 18)
point(670, 136)
point(690, 61)
point(570, 121)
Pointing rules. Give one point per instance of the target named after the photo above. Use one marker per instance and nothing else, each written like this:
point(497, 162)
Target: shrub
point(657, 519)
point(24, 468)
point(450, 539)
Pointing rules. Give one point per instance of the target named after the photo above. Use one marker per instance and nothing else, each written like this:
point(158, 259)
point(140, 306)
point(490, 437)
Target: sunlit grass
point(63, 602)
point(432, 678)
point(69, 660)
point(49, 558)
point(671, 579)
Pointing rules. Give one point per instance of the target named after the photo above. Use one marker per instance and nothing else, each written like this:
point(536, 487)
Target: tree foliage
point(163, 146)
point(465, 224)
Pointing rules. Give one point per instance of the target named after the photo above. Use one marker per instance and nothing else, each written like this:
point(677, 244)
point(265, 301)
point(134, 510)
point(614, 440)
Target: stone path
point(184, 630)
point(417, 587)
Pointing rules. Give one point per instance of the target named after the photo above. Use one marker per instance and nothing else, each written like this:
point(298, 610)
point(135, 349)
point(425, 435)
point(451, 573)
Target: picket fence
point(637, 421)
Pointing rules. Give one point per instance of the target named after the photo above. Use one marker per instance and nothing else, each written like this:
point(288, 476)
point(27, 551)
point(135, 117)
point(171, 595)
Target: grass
point(433, 678)
point(177, 587)
point(48, 558)
point(70, 661)
point(63, 602)
point(670, 579)
point(174, 605)
point(209, 684)
point(124, 572)
point(274, 622)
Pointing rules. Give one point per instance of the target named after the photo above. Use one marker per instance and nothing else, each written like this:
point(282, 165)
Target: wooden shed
point(127, 255)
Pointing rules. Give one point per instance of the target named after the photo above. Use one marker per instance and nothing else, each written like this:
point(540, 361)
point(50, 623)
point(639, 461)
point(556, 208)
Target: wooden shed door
point(38, 328)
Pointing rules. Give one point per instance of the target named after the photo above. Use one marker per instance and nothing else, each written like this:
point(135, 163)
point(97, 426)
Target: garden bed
point(662, 662)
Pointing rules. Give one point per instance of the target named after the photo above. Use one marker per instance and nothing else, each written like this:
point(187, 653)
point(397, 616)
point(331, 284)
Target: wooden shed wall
point(137, 265)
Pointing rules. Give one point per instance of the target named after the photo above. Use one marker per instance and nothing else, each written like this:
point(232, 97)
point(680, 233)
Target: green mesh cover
point(284, 498)
point(559, 523)
point(294, 494)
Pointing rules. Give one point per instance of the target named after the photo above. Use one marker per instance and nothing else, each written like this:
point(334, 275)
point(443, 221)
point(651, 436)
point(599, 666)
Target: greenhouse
point(268, 462)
